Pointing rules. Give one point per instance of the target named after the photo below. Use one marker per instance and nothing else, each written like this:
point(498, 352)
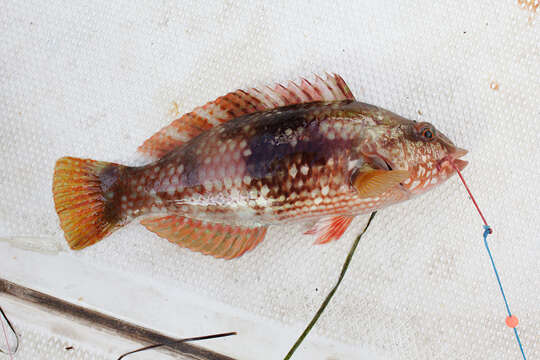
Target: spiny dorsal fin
point(239, 103)
point(219, 240)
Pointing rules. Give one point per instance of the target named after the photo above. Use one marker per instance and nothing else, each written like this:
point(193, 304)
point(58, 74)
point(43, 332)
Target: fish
point(216, 178)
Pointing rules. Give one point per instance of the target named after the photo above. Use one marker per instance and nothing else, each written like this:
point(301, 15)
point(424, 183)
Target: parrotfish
point(219, 176)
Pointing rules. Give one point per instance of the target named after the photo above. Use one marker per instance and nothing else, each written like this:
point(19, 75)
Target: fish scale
point(220, 175)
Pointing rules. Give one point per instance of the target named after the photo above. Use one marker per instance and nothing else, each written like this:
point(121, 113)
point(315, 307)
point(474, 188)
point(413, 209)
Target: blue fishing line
point(487, 231)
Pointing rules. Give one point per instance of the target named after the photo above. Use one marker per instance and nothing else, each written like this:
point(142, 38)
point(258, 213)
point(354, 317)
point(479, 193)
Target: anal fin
point(330, 228)
point(219, 240)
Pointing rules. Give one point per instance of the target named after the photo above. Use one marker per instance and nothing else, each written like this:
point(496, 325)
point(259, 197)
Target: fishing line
point(9, 352)
point(512, 320)
point(215, 336)
point(331, 293)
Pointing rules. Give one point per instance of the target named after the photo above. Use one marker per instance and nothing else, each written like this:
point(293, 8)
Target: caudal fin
point(85, 196)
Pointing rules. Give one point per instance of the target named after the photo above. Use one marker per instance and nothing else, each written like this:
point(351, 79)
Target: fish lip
point(460, 164)
point(458, 152)
point(453, 158)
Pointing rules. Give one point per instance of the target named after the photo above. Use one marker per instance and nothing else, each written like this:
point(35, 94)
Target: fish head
point(418, 147)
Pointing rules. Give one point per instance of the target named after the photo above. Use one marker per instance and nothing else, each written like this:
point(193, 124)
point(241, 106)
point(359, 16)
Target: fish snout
point(455, 158)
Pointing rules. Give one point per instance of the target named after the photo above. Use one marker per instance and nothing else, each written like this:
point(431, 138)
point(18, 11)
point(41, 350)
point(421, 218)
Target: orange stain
point(174, 110)
point(494, 85)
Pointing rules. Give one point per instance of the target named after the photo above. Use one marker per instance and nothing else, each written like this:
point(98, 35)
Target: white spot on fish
point(171, 171)
point(304, 169)
point(293, 171)
point(408, 181)
point(247, 152)
point(324, 126)
point(207, 185)
point(288, 132)
point(434, 180)
point(180, 168)
point(228, 182)
point(414, 184)
point(317, 200)
point(139, 188)
point(247, 180)
point(325, 190)
point(171, 190)
point(243, 144)
point(265, 190)
point(288, 184)
point(331, 135)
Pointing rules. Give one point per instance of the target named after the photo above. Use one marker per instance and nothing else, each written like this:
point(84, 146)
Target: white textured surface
point(46, 335)
point(96, 79)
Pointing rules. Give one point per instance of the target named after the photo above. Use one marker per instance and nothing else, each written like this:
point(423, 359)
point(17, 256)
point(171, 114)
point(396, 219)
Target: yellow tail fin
point(85, 196)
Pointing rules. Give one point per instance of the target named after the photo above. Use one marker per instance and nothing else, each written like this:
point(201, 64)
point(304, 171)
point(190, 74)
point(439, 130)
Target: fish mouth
point(454, 158)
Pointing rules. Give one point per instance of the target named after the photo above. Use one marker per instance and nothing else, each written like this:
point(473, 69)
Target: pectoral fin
point(373, 182)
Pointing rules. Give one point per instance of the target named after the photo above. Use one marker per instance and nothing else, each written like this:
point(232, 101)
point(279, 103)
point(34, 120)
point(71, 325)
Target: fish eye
point(427, 133)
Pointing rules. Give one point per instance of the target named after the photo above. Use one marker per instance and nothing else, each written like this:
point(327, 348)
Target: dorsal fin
point(239, 103)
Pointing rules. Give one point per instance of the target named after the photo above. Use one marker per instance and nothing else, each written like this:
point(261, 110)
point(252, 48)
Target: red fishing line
point(472, 197)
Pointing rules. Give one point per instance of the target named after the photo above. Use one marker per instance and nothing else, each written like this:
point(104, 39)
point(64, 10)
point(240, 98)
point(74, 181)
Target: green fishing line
point(331, 293)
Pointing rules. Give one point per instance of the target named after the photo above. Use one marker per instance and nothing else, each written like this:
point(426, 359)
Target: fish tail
point(86, 198)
